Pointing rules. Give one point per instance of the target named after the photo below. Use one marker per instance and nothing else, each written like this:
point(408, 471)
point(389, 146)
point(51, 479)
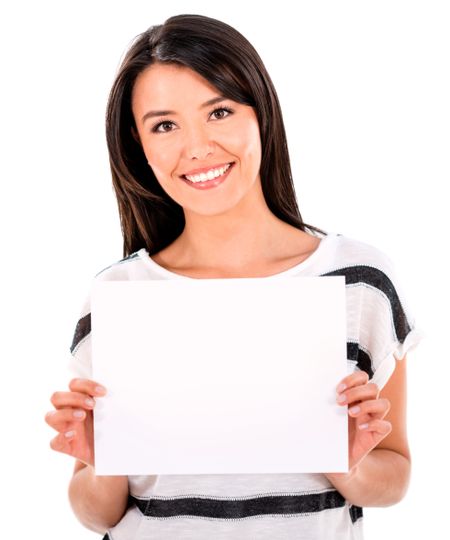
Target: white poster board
point(216, 376)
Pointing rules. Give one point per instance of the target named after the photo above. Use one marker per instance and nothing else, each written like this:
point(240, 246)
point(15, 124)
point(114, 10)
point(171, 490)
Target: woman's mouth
point(213, 178)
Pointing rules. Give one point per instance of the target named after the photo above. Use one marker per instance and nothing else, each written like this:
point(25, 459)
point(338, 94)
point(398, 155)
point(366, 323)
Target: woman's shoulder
point(120, 269)
point(353, 251)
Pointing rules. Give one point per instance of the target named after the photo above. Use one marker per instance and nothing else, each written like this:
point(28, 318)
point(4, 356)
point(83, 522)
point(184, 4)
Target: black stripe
point(242, 508)
point(378, 279)
point(362, 359)
point(356, 512)
point(82, 329)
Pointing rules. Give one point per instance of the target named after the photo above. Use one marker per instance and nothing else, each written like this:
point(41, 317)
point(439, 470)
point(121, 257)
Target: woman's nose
point(198, 143)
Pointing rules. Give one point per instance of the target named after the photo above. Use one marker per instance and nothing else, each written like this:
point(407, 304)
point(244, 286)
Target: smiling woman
point(194, 96)
point(201, 145)
point(201, 171)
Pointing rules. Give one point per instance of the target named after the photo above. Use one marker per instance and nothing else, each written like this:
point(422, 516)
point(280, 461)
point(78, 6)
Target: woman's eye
point(156, 128)
point(219, 111)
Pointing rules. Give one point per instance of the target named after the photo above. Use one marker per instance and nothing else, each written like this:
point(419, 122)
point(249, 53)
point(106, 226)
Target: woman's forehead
point(159, 75)
point(163, 83)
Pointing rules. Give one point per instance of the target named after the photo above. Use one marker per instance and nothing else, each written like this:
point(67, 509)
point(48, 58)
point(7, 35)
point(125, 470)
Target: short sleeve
point(388, 328)
point(80, 359)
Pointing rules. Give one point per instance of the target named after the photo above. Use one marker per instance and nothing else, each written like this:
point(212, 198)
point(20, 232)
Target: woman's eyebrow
point(150, 114)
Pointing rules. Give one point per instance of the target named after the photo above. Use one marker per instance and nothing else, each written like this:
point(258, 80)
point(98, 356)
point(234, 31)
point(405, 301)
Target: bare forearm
point(99, 502)
point(381, 479)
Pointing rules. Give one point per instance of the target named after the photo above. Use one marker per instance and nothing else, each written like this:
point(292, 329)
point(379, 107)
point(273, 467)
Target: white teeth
point(213, 173)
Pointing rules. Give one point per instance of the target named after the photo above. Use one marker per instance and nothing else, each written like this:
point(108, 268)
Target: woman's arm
point(381, 478)
point(99, 502)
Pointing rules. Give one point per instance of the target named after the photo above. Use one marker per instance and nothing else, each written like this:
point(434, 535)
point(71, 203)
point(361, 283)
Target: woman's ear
point(135, 135)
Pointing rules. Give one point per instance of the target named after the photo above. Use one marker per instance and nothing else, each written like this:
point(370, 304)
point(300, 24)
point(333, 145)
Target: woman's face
point(186, 133)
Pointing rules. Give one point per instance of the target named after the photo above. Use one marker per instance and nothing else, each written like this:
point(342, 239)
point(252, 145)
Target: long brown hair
point(221, 55)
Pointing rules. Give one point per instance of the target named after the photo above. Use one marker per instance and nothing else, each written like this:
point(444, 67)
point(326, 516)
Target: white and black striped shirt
point(380, 330)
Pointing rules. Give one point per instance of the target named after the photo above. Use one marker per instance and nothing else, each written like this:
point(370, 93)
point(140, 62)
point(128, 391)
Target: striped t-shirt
point(380, 330)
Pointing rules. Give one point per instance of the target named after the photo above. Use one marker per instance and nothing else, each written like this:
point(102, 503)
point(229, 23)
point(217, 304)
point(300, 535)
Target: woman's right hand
point(73, 419)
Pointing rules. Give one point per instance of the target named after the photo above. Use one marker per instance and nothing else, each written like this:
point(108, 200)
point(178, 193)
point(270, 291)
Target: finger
point(59, 419)
point(61, 443)
point(355, 379)
point(87, 386)
point(358, 393)
point(382, 427)
point(376, 408)
point(75, 400)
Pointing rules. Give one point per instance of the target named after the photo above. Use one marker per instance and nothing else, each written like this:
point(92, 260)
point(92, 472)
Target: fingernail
point(89, 402)
point(78, 414)
point(69, 434)
point(51, 413)
point(341, 388)
point(363, 426)
point(100, 390)
point(354, 410)
point(342, 398)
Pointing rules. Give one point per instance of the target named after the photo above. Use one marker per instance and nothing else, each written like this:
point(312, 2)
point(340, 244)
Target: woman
point(201, 171)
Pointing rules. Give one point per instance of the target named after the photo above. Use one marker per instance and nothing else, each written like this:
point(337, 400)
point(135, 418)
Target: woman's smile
point(213, 178)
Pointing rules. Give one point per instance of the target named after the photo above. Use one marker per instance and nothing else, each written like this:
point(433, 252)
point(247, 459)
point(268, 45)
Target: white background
point(364, 90)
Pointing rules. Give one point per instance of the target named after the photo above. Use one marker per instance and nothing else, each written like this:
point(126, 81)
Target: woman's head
point(215, 59)
point(184, 126)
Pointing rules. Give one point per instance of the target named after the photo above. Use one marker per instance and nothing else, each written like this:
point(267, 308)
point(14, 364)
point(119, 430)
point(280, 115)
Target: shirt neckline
point(145, 257)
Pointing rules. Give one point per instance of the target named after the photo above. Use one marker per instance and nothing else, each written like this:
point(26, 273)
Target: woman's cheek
point(161, 159)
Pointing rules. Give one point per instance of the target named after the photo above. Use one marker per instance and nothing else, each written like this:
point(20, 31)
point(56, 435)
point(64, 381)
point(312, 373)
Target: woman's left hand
point(366, 427)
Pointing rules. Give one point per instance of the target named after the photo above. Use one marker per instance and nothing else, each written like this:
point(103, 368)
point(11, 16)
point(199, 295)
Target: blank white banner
point(220, 376)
